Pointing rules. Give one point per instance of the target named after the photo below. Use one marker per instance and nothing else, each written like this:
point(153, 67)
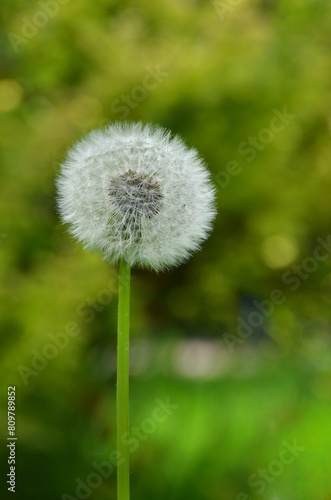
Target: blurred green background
point(248, 84)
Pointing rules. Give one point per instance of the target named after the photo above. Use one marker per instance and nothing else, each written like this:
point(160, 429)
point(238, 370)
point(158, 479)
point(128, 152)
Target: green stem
point(122, 392)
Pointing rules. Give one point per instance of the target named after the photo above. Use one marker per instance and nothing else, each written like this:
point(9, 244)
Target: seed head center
point(136, 195)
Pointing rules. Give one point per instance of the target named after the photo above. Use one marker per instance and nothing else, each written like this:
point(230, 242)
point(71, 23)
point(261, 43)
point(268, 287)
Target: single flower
point(135, 193)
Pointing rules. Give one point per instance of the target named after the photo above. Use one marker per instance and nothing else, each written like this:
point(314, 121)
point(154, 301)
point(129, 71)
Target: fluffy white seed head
point(133, 192)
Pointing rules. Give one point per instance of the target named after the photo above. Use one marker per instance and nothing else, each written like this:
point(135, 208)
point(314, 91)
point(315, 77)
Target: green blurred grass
point(223, 431)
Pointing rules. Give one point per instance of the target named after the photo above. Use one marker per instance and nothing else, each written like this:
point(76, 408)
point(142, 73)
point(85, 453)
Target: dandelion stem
point(122, 391)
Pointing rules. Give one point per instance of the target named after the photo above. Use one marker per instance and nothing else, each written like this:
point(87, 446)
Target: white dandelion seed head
point(132, 191)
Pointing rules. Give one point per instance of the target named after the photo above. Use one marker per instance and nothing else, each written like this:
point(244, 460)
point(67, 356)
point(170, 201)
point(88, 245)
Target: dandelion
point(135, 193)
point(142, 198)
